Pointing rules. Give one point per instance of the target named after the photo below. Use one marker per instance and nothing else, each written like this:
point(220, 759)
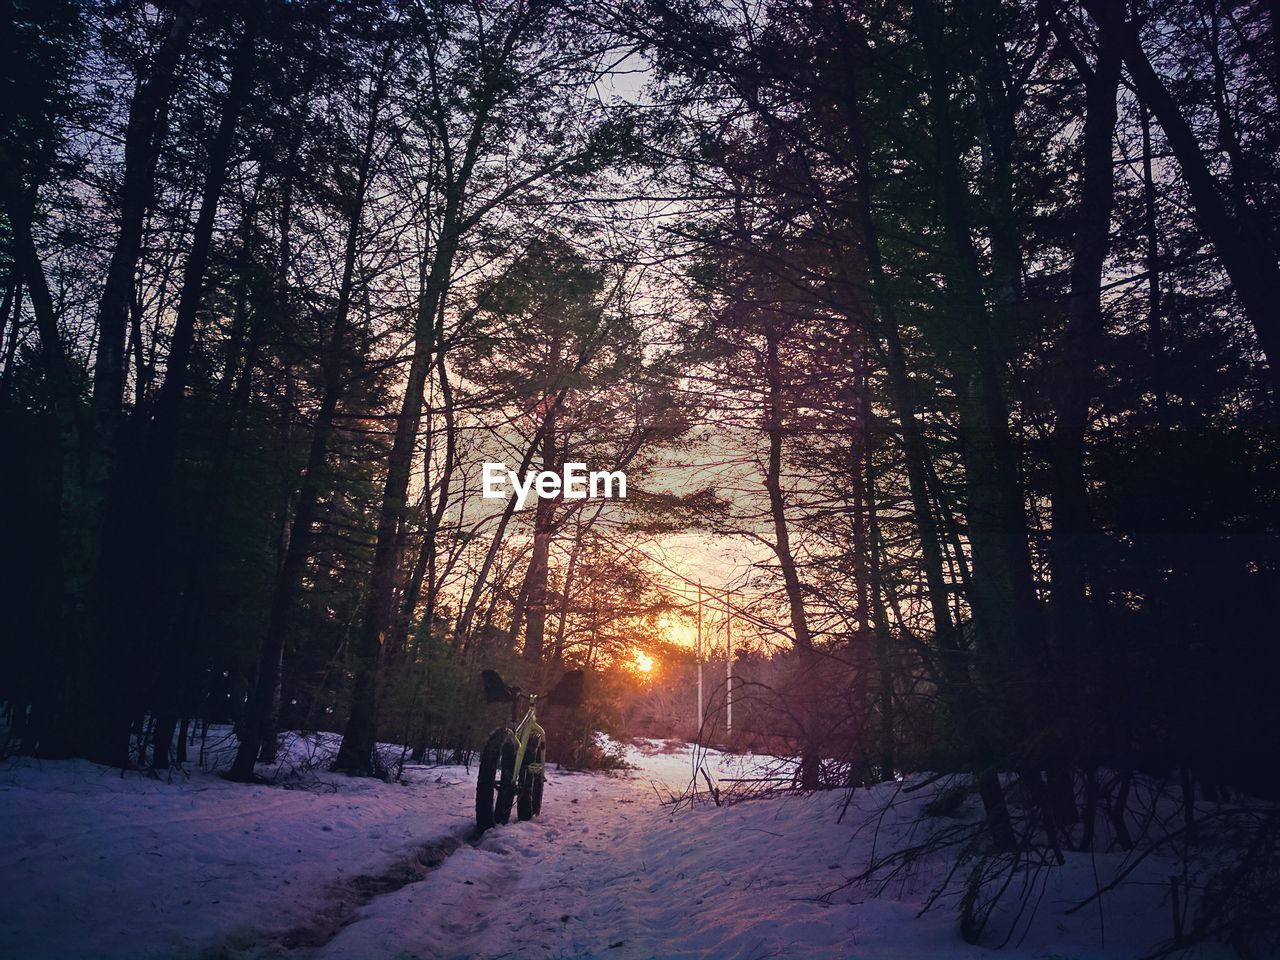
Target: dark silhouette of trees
point(971, 190)
point(971, 303)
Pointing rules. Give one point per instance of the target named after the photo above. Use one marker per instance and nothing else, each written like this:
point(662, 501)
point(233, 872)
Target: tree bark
point(810, 753)
point(543, 528)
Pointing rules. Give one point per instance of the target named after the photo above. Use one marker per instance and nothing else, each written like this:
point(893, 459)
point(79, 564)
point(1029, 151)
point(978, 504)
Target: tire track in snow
point(439, 916)
point(517, 892)
point(572, 882)
point(345, 899)
point(571, 885)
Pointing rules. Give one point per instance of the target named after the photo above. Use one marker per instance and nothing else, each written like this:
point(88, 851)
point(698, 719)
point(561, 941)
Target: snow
point(94, 864)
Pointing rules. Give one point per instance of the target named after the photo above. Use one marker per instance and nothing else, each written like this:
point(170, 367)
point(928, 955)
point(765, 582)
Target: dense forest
point(965, 315)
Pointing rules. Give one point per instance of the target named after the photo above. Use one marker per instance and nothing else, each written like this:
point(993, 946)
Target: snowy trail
point(607, 872)
point(604, 871)
point(102, 867)
point(589, 877)
point(94, 864)
point(325, 922)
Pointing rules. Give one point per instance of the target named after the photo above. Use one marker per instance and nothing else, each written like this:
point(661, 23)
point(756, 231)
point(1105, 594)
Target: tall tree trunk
point(10, 330)
point(142, 371)
point(1004, 599)
point(876, 630)
point(105, 734)
point(431, 547)
point(543, 528)
point(57, 366)
point(886, 740)
point(1073, 380)
point(148, 121)
point(260, 721)
point(570, 572)
point(424, 567)
point(995, 95)
point(193, 276)
point(566, 588)
point(1155, 321)
point(163, 579)
point(863, 639)
point(810, 753)
point(955, 683)
point(463, 629)
point(63, 711)
point(356, 755)
point(1238, 236)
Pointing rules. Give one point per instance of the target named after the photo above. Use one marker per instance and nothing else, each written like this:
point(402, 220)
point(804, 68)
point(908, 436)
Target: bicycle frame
point(525, 732)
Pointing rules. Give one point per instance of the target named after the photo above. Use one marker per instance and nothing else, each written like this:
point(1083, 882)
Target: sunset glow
point(680, 633)
point(643, 663)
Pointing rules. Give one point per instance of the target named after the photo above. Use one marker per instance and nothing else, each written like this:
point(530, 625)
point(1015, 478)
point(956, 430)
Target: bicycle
point(513, 761)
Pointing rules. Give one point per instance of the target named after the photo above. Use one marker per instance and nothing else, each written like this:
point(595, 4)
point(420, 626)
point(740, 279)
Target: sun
point(643, 663)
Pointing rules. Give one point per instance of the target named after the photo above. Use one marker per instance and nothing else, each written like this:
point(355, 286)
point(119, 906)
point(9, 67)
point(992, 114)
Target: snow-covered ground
point(94, 864)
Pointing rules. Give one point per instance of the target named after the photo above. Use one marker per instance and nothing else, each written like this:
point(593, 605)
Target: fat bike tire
point(529, 796)
point(495, 785)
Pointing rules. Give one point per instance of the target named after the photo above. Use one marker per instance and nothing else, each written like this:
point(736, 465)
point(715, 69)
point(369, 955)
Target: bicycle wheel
point(529, 797)
point(536, 797)
point(495, 785)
